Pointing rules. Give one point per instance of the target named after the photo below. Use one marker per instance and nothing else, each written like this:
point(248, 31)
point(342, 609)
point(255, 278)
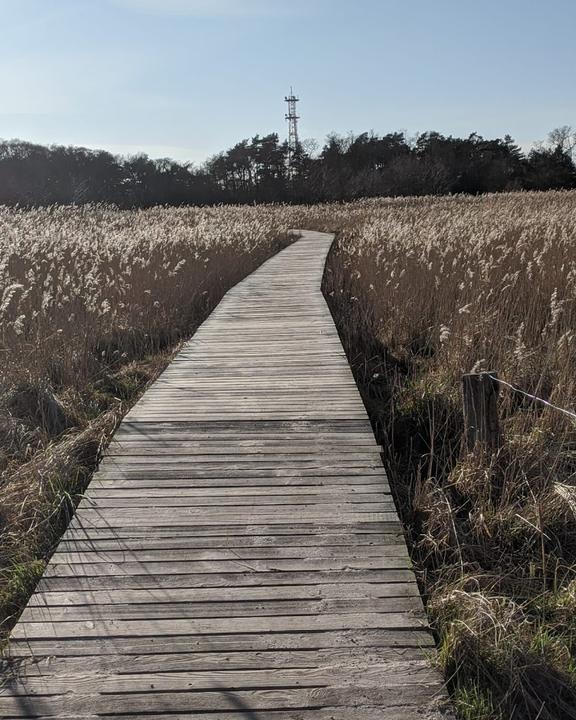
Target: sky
point(189, 78)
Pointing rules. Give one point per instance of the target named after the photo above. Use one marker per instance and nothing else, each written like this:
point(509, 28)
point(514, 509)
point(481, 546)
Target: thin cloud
point(208, 8)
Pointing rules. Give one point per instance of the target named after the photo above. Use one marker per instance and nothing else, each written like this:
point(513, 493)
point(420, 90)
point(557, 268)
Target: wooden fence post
point(480, 396)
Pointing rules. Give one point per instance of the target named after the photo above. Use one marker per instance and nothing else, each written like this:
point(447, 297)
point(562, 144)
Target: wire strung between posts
point(534, 397)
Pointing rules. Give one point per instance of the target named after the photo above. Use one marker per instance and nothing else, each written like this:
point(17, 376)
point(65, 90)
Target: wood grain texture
point(238, 554)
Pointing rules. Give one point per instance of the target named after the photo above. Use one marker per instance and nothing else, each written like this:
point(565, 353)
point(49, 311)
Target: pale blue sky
point(187, 78)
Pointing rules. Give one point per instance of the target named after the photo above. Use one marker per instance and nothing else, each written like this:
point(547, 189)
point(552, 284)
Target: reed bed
point(93, 303)
point(423, 291)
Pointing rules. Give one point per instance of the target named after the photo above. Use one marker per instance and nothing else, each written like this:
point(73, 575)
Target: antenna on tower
point(292, 119)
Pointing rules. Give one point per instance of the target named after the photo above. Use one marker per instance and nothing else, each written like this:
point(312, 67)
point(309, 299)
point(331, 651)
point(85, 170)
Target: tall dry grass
point(78, 284)
point(423, 291)
point(93, 302)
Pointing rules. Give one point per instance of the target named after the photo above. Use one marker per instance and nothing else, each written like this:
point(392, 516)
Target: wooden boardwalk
point(238, 553)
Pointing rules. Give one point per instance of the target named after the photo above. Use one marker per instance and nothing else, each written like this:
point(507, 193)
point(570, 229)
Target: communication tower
point(292, 119)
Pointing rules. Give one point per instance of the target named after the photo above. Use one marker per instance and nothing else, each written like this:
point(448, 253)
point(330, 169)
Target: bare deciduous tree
point(564, 138)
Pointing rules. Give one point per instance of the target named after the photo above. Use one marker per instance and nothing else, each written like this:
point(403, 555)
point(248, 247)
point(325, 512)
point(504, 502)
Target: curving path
point(238, 553)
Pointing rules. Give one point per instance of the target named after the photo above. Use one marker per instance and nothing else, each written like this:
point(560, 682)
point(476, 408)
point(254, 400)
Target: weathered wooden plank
point(227, 438)
point(262, 426)
point(358, 503)
point(223, 594)
point(226, 579)
point(94, 555)
point(162, 516)
point(216, 661)
point(332, 713)
point(332, 473)
point(399, 643)
point(362, 675)
point(189, 567)
point(79, 542)
point(79, 527)
point(306, 492)
point(98, 627)
point(300, 461)
point(414, 696)
point(161, 447)
point(216, 608)
point(353, 458)
point(253, 478)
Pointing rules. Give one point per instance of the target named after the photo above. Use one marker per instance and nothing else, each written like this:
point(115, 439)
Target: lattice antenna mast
point(292, 118)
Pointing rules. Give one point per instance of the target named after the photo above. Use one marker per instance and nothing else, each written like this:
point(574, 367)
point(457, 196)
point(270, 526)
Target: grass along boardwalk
point(238, 553)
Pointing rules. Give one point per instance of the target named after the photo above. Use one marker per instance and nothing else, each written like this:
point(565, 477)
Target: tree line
point(256, 170)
